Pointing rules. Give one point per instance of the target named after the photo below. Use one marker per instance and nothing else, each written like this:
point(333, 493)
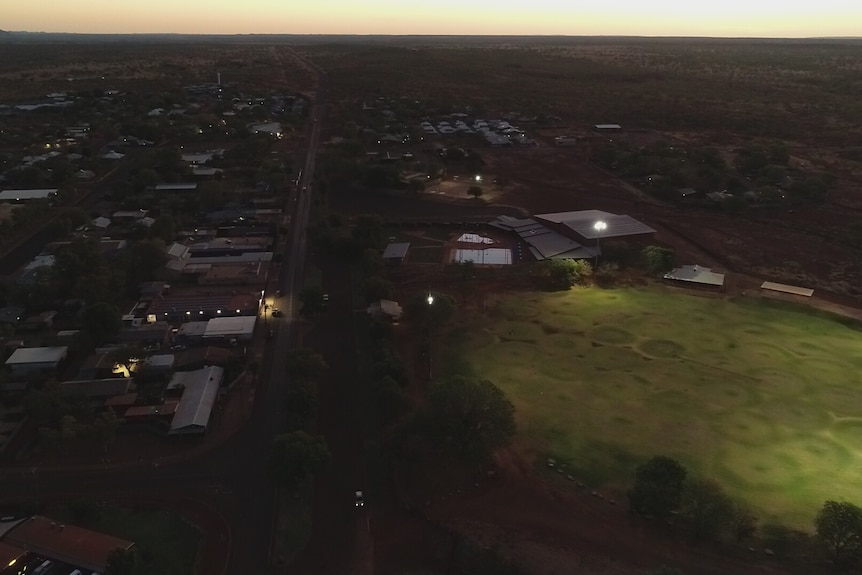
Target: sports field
point(763, 397)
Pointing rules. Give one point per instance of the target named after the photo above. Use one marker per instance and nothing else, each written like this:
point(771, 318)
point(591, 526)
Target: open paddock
point(764, 398)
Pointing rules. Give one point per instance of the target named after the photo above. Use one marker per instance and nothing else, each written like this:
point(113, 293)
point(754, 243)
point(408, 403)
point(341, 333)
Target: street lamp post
point(599, 226)
point(430, 300)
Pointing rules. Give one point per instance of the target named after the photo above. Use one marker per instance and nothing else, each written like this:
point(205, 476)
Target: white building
point(27, 360)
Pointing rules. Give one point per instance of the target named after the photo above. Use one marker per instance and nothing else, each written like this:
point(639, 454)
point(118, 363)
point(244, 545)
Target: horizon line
point(314, 34)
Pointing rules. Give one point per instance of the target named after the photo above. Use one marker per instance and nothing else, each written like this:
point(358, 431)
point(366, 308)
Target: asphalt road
point(248, 500)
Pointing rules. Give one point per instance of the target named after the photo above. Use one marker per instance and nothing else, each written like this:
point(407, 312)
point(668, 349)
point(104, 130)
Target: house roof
point(202, 356)
point(165, 409)
point(199, 395)
point(35, 194)
point(396, 250)
point(583, 223)
point(695, 274)
point(105, 387)
point(67, 543)
point(29, 355)
point(228, 326)
point(177, 187)
point(10, 554)
point(194, 304)
point(160, 361)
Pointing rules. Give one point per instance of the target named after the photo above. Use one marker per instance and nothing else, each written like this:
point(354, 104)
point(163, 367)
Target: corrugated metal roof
point(199, 395)
point(695, 274)
point(616, 227)
point(396, 250)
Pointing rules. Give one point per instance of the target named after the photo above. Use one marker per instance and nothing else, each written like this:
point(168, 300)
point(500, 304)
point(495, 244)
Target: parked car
point(276, 312)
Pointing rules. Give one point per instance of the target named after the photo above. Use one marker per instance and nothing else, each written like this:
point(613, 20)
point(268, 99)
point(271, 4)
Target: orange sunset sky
point(752, 18)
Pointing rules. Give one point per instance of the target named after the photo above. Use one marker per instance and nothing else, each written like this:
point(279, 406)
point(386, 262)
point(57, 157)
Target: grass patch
point(293, 525)
point(763, 397)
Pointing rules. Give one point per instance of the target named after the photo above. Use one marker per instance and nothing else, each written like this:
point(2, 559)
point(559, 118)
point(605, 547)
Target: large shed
point(696, 275)
point(200, 389)
point(26, 360)
point(239, 327)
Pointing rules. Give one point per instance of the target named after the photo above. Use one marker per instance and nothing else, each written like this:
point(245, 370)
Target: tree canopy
point(658, 487)
point(839, 526)
point(296, 457)
point(704, 508)
point(469, 418)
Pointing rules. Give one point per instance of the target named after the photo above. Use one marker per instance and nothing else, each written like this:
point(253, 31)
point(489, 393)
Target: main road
point(248, 499)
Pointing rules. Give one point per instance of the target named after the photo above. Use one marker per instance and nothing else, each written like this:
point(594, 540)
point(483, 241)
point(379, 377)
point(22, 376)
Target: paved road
point(340, 531)
point(249, 499)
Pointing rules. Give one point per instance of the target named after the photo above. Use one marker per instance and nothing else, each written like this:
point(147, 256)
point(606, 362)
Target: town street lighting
point(430, 300)
point(599, 226)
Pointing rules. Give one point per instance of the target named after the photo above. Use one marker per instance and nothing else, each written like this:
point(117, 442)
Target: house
point(199, 357)
point(230, 329)
point(99, 388)
point(101, 223)
point(27, 360)
point(199, 392)
point(565, 141)
point(176, 187)
point(687, 193)
point(386, 309)
point(150, 290)
point(27, 195)
point(271, 128)
point(11, 314)
point(396, 252)
point(65, 543)
point(128, 216)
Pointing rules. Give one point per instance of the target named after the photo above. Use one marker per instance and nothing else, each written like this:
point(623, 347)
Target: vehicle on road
point(276, 312)
point(359, 499)
point(278, 293)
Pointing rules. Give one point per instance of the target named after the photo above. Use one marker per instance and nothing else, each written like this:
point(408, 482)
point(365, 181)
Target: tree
point(311, 300)
point(104, 428)
point(122, 561)
point(302, 362)
point(475, 191)
point(300, 405)
point(469, 418)
point(102, 321)
point(839, 526)
point(376, 288)
point(743, 523)
point(562, 274)
point(388, 398)
point(704, 508)
point(658, 487)
point(658, 259)
point(164, 228)
point(296, 457)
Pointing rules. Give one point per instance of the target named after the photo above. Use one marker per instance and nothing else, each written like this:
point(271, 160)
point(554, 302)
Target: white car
point(359, 499)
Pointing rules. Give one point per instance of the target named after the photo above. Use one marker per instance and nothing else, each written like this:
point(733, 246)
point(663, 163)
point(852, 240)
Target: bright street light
point(599, 226)
point(478, 178)
point(430, 300)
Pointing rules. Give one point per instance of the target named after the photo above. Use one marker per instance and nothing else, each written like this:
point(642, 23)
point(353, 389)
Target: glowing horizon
point(731, 18)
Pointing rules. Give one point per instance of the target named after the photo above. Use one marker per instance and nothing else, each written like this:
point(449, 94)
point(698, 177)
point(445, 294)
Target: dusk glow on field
point(734, 18)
